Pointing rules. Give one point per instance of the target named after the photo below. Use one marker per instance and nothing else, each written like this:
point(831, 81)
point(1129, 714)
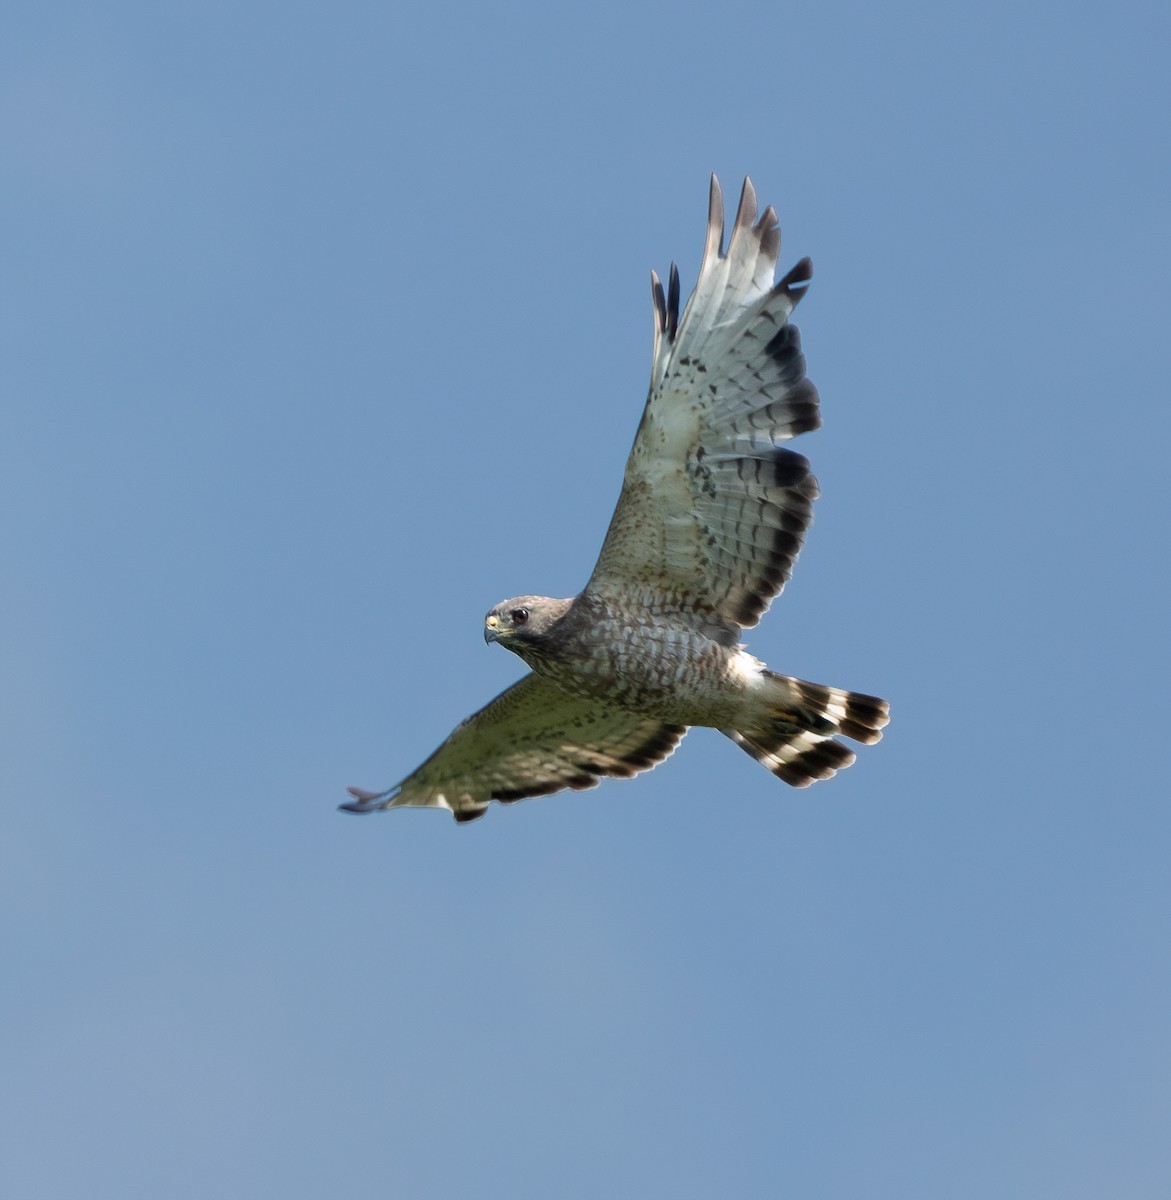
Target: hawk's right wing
point(532, 740)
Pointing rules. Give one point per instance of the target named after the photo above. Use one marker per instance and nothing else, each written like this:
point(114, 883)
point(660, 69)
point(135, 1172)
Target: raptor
point(711, 517)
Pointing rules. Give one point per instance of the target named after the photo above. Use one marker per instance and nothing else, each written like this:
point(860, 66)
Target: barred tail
point(795, 740)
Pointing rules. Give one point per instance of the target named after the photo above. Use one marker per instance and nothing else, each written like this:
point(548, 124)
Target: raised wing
point(713, 510)
point(532, 740)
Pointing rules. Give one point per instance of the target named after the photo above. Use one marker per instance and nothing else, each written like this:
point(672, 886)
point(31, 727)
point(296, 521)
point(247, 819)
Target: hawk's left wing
point(532, 740)
point(713, 509)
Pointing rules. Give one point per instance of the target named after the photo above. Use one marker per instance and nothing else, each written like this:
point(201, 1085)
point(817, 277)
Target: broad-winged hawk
point(712, 514)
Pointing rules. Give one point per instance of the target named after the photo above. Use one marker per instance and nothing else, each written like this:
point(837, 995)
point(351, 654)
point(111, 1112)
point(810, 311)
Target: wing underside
point(713, 509)
point(532, 740)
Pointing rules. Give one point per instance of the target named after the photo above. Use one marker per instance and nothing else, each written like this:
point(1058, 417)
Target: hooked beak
point(492, 628)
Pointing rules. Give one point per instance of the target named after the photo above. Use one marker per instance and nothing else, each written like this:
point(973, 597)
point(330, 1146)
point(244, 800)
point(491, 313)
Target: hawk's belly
point(653, 668)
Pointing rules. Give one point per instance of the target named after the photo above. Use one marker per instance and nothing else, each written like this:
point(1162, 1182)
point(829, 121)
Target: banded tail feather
point(797, 740)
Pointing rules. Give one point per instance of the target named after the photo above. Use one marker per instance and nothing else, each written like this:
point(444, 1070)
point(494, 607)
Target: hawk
point(711, 516)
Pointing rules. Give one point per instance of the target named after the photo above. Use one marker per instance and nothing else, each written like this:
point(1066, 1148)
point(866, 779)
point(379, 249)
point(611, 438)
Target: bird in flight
point(711, 516)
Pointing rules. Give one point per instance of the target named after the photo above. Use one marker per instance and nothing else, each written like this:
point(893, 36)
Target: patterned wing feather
point(532, 740)
point(713, 509)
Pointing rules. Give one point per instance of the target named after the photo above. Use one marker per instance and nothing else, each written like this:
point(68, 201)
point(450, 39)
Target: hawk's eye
point(519, 615)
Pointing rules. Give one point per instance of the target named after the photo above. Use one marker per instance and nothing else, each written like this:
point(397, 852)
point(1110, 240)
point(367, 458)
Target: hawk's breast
point(645, 662)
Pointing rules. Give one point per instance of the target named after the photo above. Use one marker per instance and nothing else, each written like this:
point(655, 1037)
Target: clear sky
point(324, 328)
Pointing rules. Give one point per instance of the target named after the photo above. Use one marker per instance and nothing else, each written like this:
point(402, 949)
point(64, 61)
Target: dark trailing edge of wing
point(789, 467)
point(796, 283)
point(592, 770)
point(784, 348)
point(786, 469)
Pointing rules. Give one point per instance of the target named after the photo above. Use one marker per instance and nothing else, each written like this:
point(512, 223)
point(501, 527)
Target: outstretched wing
point(713, 510)
point(532, 740)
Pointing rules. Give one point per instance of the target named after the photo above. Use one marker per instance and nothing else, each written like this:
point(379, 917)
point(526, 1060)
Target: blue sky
point(326, 327)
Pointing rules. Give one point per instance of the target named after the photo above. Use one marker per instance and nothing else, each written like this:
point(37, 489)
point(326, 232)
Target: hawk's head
point(523, 623)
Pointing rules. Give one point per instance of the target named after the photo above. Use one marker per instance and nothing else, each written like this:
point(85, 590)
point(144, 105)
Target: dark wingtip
point(746, 210)
point(796, 283)
point(672, 312)
point(660, 303)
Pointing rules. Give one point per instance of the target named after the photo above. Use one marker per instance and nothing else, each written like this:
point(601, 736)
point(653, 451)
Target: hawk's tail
point(796, 740)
